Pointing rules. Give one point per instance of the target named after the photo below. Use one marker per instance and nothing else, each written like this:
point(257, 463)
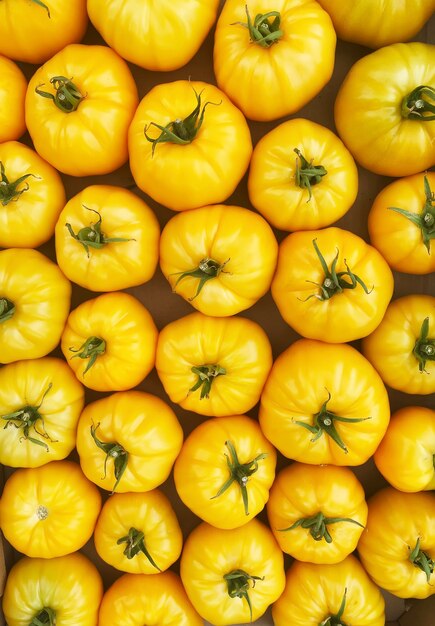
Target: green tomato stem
point(318, 525)
point(115, 451)
point(206, 375)
point(265, 29)
point(335, 620)
point(9, 190)
point(420, 559)
point(307, 174)
point(91, 349)
point(419, 104)
point(238, 585)
point(46, 617)
point(7, 309)
point(135, 544)
point(91, 236)
point(206, 270)
point(424, 349)
point(67, 97)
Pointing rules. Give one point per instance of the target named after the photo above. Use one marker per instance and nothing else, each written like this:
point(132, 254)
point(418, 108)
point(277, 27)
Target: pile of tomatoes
point(189, 447)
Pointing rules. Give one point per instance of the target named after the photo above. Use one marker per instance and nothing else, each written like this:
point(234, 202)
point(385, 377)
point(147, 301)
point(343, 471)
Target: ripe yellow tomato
point(192, 130)
point(220, 258)
point(49, 511)
point(79, 105)
point(213, 365)
point(13, 86)
point(107, 239)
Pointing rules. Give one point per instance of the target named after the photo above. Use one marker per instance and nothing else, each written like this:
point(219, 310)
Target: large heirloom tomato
point(232, 576)
point(65, 591)
point(110, 342)
point(317, 512)
point(225, 470)
point(128, 441)
point(324, 403)
point(271, 58)
point(158, 37)
point(402, 348)
point(34, 304)
point(213, 365)
point(376, 23)
point(397, 548)
point(302, 176)
point(384, 109)
point(31, 197)
point(401, 223)
point(34, 30)
point(232, 245)
point(138, 532)
point(13, 86)
point(331, 285)
point(40, 405)
point(327, 595)
point(79, 105)
point(189, 145)
point(49, 511)
point(107, 239)
point(138, 599)
point(405, 456)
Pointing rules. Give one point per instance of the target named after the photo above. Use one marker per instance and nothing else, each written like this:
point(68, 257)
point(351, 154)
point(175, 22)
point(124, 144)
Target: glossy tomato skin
point(13, 86)
point(49, 511)
point(28, 214)
point(204, 171)
point(69, 585)
point(116, 213)
point(45, 389)
point(400, 240)
point(143, 426)
point(210, 553)
point(273, 182)
point(405, 455)
point(346, 314)
point(156, 37)
point(376, 23)
point(201, 470)
point(239, 241)
point(269, 82)
point(304, 377)
point(301, 492)
point(134, 600)
point(396, 522)
point(29, 33)
point(92, 139)
point(315, 592)
point(41, 295)
point(126, 336)
point(370, 98)
point(234, 353)
point(391, 347)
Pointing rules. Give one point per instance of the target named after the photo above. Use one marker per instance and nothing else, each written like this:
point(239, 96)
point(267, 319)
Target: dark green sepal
point(115, 451)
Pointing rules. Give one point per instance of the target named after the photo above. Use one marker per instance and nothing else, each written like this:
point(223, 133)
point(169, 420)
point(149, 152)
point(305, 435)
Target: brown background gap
point(165, 306)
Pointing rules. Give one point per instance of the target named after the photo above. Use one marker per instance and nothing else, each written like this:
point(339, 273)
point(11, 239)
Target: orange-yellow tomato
point(49, 511)
point(13, 86)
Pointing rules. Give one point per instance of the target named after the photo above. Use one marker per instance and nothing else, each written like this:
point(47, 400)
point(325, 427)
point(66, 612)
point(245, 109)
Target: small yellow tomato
point(110, 342)
point(13, 86)
point(213, 365)
point(49, 511)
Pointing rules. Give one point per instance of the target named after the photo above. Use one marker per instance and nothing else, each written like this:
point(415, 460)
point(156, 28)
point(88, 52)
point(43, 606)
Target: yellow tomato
point(40, 404)
point(272, 58)
point(135, 600)
point(78, 108)
point(329, 594)
point(225, 470)
point(138, 532)
point(405, 456)
point(397, 548)
point(189, 145)
point(402, 348)
point(302, 176)
point(331, 285)
point(234, 246)
point(317, 512)
point(107, 239)
point(324, 403)
point(401, 223)
point(34, 304)
point(31, 197)
point(213, 366)
point(158, 37)
point(49, 511)
point(232, 576)
point(66, 590)
point(13, 85)
point(110, 342)
point(128, 441)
